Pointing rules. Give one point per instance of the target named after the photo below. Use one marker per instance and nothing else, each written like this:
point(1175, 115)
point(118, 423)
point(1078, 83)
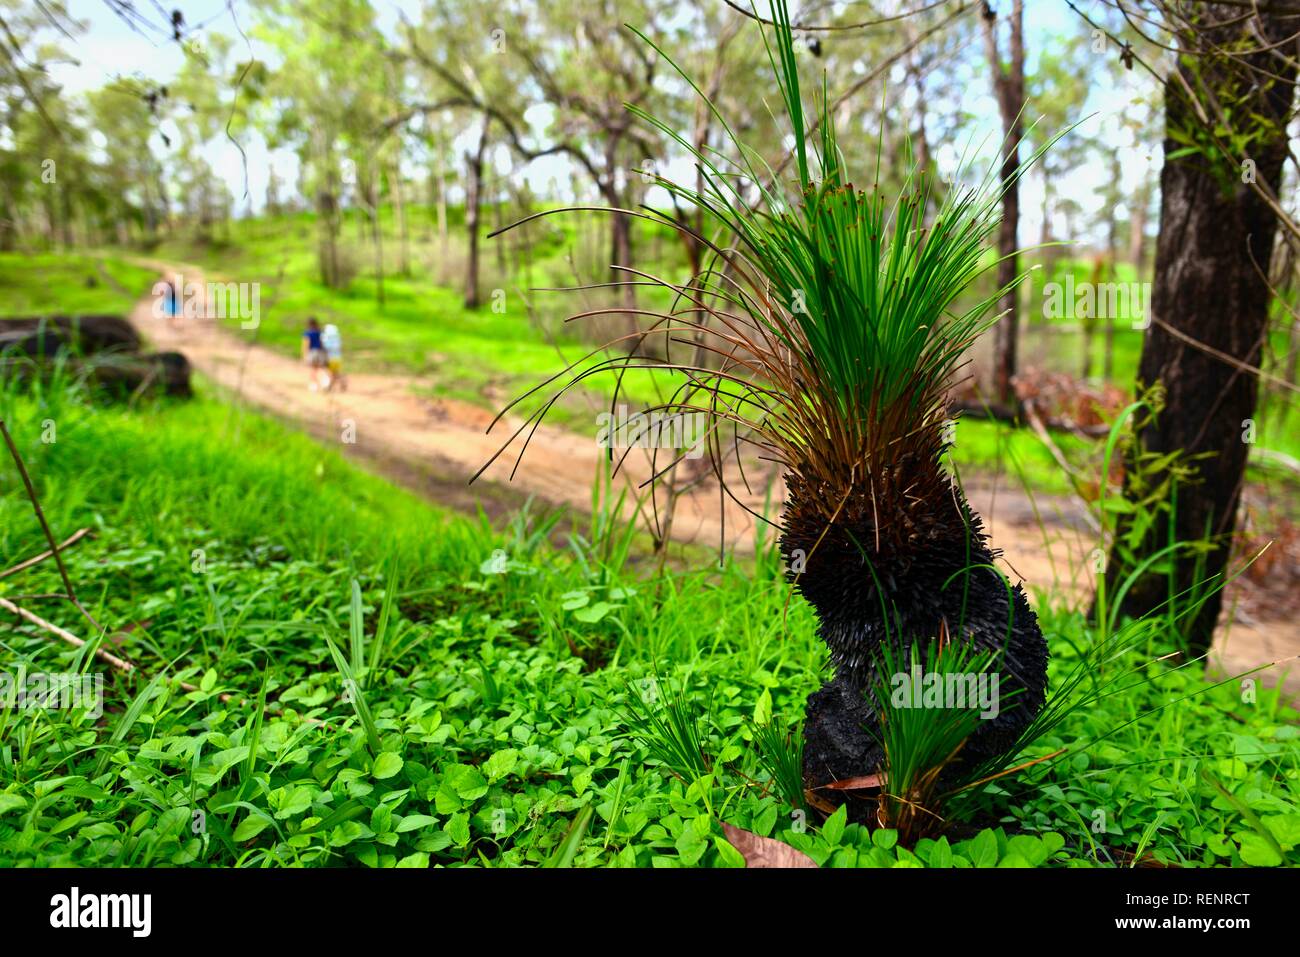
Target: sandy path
point(382, 416)
point(435, 445)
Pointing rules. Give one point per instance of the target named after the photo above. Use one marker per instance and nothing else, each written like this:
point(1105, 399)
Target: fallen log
point(33, 335)
point(106, 350)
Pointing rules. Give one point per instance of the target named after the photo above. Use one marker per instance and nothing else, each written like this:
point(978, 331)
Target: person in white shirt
point(333, 345)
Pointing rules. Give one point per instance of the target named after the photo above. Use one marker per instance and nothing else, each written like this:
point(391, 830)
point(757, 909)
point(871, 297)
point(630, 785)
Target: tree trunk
point(1137, 235)
point(1009, 90)
point(1214, 230)
point(399, 206)
point(621, 255)
point(1088, 320)
point(326, 228)
point(473, 200)
point(1112, 259)
point(496, 200)
point(443, 237)
point(376, 232)
point(620, 236)
point(66, 236)
point(8, 220)
point(164, 208)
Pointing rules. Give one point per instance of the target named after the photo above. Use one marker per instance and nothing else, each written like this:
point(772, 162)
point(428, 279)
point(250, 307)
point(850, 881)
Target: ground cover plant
point(498, 696)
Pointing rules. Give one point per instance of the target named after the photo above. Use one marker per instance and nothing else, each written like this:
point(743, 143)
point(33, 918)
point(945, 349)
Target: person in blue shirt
point(171, 304)
point(313, 352)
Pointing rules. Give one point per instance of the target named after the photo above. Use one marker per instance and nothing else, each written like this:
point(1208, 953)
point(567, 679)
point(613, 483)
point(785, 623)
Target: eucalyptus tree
point(1229, 99)
point(471, 77)
point(44, 160)
point(1007, 67)
point(1056, 97)
point(127, 117)
point(206, 104)
point(589, 68)
point(311, 101)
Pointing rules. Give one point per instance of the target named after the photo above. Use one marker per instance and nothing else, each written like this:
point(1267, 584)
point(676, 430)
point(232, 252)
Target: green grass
point(38, 284)
point(486, 716)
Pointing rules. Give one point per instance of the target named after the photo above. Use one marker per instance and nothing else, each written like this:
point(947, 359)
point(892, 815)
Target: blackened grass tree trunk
point(833, 334)
point(1210, 298)
point(897, 555)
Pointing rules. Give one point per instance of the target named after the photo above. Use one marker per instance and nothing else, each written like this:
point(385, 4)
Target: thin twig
point(120, 664)
point(72, 539)
point(1224, 357)
point(126, 667)
point(36, 506)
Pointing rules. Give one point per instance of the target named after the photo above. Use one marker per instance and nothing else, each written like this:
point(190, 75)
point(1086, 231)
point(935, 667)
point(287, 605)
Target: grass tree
point(825, 333)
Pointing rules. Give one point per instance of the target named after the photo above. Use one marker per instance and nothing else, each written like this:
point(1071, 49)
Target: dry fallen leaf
point(763, 851)
point(860, 783)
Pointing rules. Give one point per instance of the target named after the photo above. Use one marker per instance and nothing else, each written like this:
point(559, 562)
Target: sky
point(109, 49)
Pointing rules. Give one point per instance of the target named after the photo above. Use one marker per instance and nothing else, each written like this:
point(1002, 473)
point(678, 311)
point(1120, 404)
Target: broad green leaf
point(594, 613)
point(12, 802)
point(413, 822)
point(833, 829)
point(387, 764)
point(983, 849)
point(728, 855)
point(884, 838)
point(500, 764)
point(457, 829)
point(251, 826)
point(1256, 851)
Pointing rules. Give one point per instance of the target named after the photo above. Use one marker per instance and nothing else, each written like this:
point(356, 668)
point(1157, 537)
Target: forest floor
point(434, 446)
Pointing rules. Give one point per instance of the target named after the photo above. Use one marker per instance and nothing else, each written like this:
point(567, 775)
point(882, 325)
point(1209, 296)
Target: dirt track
point(435, 445)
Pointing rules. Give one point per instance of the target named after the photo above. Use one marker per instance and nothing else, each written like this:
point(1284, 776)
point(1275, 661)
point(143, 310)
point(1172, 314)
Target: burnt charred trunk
point(890, 570)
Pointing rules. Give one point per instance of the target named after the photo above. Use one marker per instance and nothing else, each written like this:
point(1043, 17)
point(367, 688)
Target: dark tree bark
point(1212, 254)
point(327, 232)
point(327, 214)
point(620, 230)
point(1009, 90)
point(473, 202)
